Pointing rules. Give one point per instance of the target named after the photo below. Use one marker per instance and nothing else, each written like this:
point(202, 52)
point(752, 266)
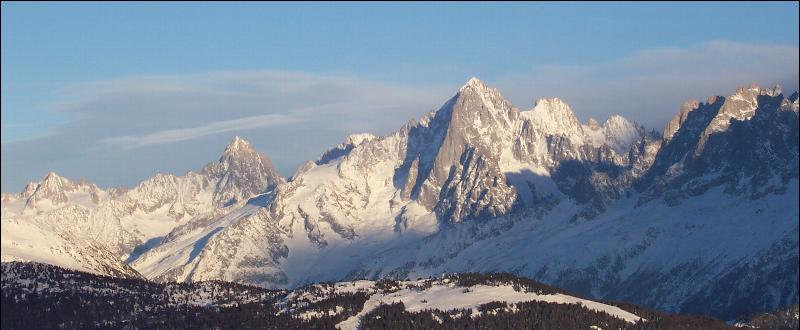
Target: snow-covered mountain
point(477, 157)
point(611, 211)
point(81, 226)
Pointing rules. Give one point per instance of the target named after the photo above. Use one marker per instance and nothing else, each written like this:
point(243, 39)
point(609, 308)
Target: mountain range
point(701, 218)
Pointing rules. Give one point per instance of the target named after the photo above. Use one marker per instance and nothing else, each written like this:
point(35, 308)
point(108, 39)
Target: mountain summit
point(473, 82)
point(237, 144)
point(241, 173)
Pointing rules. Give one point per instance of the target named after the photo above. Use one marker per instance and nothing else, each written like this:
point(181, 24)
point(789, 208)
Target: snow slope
point(450, 297)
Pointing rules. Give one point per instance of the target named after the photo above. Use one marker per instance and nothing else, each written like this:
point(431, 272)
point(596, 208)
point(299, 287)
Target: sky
point(116, 92)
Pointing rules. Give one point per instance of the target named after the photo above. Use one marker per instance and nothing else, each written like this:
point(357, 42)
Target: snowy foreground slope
point(466, 300)
point(701, 218)
point(444, 296)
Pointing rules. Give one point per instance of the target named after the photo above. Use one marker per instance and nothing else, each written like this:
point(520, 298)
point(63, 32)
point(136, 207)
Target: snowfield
point(450, 297)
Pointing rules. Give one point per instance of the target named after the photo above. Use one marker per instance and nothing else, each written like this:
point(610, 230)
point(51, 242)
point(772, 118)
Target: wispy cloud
point(123, 130)
point(650, 85)
point(183, 134)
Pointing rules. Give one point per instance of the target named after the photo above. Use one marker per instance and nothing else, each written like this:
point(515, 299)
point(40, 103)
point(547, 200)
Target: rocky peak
point(52, 187)
point(754, 90)
point(775, 91)
point(239, 155)
point(475, 112)
point(352, 141)
point(733, 138)
point(241, 173)
point(552, 104)
point(356, 139)
point(617, 121)
point(680, 118)
point(474, 83)
point(464, 136)
point(741, 105)
point(553, 116)
point(475, 96)
point(621, 132)
point(236, 147)
point(53, 180)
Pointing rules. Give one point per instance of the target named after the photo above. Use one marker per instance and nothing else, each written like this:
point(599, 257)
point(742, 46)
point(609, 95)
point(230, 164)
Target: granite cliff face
point(241, 173)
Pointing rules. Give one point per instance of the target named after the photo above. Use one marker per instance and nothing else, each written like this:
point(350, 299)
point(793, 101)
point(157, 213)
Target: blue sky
point(80, 79)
